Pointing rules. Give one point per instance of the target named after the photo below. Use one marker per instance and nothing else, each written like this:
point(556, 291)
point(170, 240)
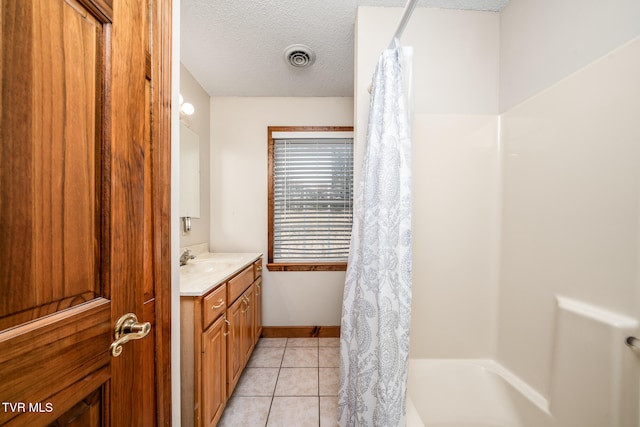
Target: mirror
point(189, 173)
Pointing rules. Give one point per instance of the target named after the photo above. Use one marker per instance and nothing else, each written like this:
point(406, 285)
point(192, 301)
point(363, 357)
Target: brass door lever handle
point(128, 328)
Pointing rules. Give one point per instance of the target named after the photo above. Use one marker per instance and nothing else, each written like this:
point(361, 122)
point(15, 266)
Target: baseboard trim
point(301, 331)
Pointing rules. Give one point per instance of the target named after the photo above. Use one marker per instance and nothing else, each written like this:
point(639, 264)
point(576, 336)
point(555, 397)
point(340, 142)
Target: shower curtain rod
point(404, 20)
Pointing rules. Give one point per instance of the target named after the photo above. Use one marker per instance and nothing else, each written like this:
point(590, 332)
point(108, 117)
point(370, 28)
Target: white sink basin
point(202, 266)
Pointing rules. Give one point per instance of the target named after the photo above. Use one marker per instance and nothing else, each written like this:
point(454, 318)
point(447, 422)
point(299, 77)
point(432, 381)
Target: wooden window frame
point(293, 266)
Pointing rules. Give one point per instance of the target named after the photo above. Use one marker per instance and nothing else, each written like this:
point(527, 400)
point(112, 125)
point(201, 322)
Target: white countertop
point(209, 270)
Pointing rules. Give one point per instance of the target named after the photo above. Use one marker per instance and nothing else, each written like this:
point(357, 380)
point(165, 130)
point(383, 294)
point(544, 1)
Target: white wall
point(571, 198)
point(543, 41)
point(447, 44)
point(199, 123)
point(571, 173)
point(239, 199)
point(455, 230)
point(455, 170)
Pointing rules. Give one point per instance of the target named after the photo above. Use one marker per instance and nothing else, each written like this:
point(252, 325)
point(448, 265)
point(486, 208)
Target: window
point(310, 197)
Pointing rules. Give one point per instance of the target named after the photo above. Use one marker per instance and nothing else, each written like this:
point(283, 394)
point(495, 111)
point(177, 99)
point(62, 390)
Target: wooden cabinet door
point(214, 372)
point(248, 326)
point(235, 355)
point(257, 310)
point(84, 211)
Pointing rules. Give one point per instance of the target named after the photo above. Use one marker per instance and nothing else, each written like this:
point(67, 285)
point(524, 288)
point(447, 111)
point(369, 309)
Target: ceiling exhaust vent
point(299, 56)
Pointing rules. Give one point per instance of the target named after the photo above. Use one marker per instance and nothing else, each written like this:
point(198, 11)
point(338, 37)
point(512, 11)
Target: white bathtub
point(471, 393)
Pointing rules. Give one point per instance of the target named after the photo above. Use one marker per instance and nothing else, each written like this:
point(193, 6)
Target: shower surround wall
point(526, 189)
point(455, 181)
point(571, 179)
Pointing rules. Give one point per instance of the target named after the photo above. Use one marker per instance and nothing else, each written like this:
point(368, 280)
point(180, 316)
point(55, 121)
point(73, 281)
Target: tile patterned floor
point(288, 382)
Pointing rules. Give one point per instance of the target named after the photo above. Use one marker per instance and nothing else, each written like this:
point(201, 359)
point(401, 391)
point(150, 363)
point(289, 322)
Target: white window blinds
point(313, 194)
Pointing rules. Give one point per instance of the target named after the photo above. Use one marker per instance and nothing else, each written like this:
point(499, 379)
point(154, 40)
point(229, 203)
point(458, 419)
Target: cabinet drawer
point(214, 305)
point(257, 269)
point(240, 283)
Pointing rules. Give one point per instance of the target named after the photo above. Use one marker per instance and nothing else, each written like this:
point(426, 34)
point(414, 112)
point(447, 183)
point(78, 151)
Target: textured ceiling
point(235, 47)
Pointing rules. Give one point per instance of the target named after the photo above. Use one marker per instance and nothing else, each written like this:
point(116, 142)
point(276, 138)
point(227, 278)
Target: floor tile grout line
point(273, 392)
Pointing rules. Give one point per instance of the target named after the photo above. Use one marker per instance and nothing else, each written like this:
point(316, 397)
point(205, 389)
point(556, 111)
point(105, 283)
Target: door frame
point(161, 20)
point(175, 220)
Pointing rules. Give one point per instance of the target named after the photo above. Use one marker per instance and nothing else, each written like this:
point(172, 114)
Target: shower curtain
point(374, 344)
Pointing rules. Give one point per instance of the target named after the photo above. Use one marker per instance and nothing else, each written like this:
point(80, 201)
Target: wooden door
point(84, 211)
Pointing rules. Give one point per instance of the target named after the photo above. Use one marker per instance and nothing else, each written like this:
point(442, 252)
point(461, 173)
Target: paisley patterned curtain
point(374, 345)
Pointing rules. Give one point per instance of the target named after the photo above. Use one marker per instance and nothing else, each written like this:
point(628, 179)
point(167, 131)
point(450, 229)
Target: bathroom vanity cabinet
point(219, 330)
point(240, 315)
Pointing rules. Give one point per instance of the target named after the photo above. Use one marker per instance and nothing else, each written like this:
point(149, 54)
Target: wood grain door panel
point(50, 359)
point(49, 181)
point(55, 309)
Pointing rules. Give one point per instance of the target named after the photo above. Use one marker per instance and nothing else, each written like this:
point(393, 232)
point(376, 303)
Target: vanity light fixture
point(186, 108)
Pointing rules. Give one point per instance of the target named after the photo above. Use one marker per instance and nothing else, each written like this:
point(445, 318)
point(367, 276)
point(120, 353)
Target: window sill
point(317, 266)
